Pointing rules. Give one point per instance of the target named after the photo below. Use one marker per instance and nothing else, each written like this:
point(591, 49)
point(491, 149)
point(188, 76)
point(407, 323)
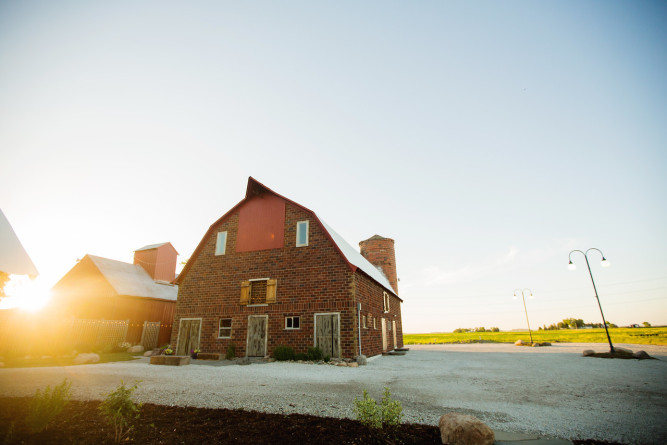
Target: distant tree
point(646, 324)
point(460, 331)
point(480, 329)
point(562, 325)
point(575, 323)
point(611, 325)
point(494, 329)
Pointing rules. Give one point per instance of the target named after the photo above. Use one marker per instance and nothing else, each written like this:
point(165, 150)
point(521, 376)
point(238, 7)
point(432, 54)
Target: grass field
point(640, 336)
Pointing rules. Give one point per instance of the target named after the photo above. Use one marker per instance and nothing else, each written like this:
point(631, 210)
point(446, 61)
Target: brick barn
point(121, 301)
point(269, 272)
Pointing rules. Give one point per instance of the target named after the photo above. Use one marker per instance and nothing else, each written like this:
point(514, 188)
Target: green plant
point(282, 353)
point(168, 351)
point(314, 353)
point(45, 406)
point(388, 414)
point(231, 352)
point(119, 409)
point(301, 356)
point(326, 358)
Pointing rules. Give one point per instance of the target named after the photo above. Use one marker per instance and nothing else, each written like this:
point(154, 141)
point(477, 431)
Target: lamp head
point(571, 266)
point(605, 262)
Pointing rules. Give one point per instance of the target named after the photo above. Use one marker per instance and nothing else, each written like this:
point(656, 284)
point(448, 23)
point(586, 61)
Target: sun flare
point(25, 294)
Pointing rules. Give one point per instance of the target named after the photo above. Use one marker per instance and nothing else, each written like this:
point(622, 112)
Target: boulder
point(243, 361)
point(622, 350)
point(641, 355)
point(461, 429)
point(148, 354)
point(588, 353)
point(518, 342)
point(170, 360)
point(86, 358)
point(536, 344)
point(138, 349)
point(341, 364)
point(353, 365)
point(361, 360)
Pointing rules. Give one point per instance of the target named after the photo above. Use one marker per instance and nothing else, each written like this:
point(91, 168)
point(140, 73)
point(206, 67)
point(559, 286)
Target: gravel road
point(550, 390)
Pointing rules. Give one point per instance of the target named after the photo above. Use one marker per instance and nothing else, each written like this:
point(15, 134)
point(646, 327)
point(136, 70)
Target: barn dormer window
point(221, 243)
point(302, 233)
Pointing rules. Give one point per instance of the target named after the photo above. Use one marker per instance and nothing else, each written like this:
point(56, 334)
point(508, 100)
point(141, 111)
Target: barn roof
point(353, 258)
point(132, 279)
point(13, 257)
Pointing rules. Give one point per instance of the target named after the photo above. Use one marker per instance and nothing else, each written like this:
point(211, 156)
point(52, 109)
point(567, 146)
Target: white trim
point(292, 317)
point(315, 328)
point(221, 243)
point(231, 326)
point(178, 340)
point(260, 279)
point(266, 338)
point(257, 305)
point(298, 232)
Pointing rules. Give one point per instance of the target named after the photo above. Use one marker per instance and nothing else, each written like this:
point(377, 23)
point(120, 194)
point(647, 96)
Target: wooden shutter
point(245, 292)
point(271, 291)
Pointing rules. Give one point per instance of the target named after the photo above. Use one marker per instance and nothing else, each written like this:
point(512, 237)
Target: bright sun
point(25, 294)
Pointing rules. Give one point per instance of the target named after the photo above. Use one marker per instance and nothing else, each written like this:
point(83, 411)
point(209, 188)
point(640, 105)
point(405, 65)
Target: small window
point(292, 323)
point(363, 322)
point(302, 233)
point(221, 243)
point(375, 326)
point(225, 328)
point(385, 302)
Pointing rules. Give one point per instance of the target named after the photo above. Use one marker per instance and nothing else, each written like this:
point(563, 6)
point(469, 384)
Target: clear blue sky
point(487, 138)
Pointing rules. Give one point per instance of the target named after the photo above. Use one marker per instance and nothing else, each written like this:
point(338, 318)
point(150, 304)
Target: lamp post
point(526, 310)
point(604, 263)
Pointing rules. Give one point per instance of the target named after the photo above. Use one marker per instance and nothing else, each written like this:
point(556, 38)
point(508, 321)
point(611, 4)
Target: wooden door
point(150, 334)
point(384, 335)
point(327, 334)
point(257, 335)
point(188, 335)
point(393, 330)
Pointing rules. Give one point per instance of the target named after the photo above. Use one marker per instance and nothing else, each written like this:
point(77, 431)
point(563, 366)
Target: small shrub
point(301, 356)
point(326, 358)
point(388, 414)
point(119, 409)
point(45, 406)
point(282, 353)
point(231, 352)
point(314, 353)
point(366, 411)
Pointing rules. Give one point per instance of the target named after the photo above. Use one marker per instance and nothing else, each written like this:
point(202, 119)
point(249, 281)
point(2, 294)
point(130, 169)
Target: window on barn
point(221, 243)
point(292, 323)
point(225, 328)
point(375, 326)
point(385, 301)
point(258, 291)
point(302, 233)
point(363, 321)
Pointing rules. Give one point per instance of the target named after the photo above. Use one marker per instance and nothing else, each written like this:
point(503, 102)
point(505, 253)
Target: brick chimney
point(379, 251)
point(159, 260)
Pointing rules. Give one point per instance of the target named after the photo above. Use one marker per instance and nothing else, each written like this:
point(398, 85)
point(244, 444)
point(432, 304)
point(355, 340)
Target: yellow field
point(640, 336)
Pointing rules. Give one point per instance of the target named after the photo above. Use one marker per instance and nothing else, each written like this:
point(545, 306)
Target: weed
point(231, 352)
point(119, 409)
point(282, 353)
point(45, 406)
point(314, 353)
point(301, 356)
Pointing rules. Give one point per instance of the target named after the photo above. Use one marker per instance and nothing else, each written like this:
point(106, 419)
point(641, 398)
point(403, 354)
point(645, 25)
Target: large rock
point(641, 355)
point(622, 350)
point(362, 360)
point(461, 429)
point(170, 360)
point(86, 358)
point(519, 342)
point(588, 353)
point(138, 349)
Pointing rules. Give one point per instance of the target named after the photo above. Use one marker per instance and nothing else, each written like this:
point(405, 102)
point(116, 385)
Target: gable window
point(385, 302)
point(292, 323)
point(221, 243)
point(258, 291)
point(225, 328)
point(302, 233)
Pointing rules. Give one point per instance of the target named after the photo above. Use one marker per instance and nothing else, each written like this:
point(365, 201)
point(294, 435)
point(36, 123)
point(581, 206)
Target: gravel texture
point(550, 390)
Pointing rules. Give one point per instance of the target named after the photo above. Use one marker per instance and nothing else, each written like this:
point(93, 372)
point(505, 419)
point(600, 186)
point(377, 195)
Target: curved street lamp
point(526, 310)
point(604, 263)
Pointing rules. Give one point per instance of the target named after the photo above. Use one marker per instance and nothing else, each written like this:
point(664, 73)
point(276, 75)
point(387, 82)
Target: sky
point(488, 139)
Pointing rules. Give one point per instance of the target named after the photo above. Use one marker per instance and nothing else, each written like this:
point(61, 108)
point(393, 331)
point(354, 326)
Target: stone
point(148, 353)
point(243, 361)
point(518, 342)
point(137, 349)
point(622, 350)
point(341, 364)
point(641, 355)
point(209, 356)
point(362, 360)
point(536, 345)
point(588, 353)
point(461, 429)
point(86, 358)
point(170, 360)
point(353, 365)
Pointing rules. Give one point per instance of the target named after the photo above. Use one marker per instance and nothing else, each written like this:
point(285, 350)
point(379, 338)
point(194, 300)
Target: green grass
point(34, 362)
point(640, 336)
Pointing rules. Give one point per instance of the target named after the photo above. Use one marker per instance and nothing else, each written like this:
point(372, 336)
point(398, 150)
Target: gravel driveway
point(551, 390)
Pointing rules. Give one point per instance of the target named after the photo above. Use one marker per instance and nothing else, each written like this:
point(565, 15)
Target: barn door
point(257, 335)
point(150, 334)
point(384, 335)
point(327, 334)
point(393, 330)
point(188, 335)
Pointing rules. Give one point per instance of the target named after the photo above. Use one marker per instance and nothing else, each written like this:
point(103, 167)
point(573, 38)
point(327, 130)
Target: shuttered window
point(258, 291)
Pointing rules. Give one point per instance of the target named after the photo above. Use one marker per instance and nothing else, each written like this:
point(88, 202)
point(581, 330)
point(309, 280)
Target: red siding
point(261, 224)
point(160, 263)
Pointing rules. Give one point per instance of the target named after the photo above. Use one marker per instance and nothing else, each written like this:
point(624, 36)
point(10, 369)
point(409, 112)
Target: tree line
point(577, 323)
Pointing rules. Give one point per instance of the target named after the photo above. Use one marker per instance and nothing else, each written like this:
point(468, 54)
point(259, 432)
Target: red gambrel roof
point(352, 258)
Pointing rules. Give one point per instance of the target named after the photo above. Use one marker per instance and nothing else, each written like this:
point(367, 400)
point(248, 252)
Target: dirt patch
point(81, 423)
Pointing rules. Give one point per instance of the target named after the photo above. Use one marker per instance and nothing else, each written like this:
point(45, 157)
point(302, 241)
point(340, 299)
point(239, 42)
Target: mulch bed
point(81, 423)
